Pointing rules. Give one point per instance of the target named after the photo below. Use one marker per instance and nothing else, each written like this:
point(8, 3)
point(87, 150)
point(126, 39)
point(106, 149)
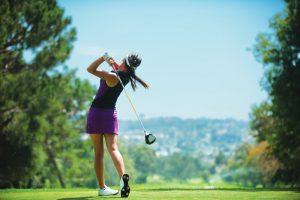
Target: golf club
point(149, 138)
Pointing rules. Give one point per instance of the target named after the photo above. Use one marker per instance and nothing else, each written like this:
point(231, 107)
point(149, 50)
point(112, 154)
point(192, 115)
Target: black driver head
point(149, 138)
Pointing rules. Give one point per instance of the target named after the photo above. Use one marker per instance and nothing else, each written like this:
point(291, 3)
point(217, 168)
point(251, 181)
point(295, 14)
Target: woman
point(102, 119)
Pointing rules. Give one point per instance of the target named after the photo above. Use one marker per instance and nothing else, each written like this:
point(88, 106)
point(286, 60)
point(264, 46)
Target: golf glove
point(106, 57)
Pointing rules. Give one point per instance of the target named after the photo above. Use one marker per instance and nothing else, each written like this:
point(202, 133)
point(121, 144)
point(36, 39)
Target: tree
point(241, 169)
point(144, 160)
point(41, 105)
point(280, 54)
point(220, 158)
point(180, 167)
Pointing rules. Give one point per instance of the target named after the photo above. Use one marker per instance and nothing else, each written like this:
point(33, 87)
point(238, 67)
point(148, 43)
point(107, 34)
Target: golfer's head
point(132, 61)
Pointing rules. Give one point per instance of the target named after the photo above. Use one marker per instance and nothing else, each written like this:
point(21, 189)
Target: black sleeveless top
point(106, 96)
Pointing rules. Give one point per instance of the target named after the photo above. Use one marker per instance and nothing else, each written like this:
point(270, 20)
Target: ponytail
point(133, 78)
point(133, 82)
point(132, 61)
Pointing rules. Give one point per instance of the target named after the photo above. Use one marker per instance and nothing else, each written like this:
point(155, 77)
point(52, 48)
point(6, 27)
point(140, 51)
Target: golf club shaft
point(129, 99)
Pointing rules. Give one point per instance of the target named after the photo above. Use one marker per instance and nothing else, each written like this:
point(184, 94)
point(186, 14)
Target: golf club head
point(149, 138)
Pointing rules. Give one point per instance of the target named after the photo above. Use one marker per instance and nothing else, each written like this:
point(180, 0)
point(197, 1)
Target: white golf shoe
point(124, 186)
point(107, 192)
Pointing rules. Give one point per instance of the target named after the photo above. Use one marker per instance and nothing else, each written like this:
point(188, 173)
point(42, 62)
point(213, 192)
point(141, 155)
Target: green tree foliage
point(252, 165)
point(278, 120)
point(41, 106)
point(144, 160)
point(220, 159)
point(261, 121)
point(180, 167)
point(242, 170)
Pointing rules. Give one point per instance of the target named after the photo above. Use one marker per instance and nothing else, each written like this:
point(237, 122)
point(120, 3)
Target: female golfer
point(102, 121)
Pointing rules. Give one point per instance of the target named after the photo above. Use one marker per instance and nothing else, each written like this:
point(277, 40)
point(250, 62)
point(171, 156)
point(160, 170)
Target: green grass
point(153, 192)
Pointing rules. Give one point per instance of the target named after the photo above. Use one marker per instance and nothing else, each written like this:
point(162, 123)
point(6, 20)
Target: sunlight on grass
point(153, 191)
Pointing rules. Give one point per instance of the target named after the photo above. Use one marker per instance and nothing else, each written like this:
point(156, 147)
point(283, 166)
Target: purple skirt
point(100, 121)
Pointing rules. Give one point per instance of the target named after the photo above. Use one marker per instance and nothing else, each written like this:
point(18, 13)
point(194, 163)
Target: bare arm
point(110, 78)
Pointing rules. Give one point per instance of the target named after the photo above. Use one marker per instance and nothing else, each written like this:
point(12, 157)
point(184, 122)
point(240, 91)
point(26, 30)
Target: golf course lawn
point(159, 191)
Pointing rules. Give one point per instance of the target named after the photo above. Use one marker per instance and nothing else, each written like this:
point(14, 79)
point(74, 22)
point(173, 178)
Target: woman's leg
point(99, 158)
point(112, 147)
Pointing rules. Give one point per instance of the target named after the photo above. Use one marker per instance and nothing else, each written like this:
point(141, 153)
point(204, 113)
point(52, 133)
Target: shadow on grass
point(90, 198)
point(227, 189)
point(76, 198)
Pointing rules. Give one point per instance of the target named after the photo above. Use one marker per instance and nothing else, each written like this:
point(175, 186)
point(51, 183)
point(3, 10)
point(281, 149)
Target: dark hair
point(132, 61)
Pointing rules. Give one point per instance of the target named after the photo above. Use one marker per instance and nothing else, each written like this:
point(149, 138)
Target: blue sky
point(194, 52)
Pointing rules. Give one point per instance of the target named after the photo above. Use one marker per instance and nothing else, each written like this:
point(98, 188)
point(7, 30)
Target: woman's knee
point(112, 148)
point(99, 153)
point(98, 145)
point(111, 143)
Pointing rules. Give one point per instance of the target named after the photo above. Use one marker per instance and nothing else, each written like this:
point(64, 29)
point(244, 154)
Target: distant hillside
point(191, 136)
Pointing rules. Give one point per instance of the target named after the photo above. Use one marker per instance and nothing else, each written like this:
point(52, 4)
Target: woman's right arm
point(108, 77)
point(94, 65)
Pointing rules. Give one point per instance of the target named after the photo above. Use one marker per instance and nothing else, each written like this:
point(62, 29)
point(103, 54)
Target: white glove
point(106, 57)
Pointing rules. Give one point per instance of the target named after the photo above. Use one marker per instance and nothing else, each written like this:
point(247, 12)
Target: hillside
point(202, 136)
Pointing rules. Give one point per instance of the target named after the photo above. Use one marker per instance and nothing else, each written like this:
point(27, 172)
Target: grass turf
point(153, 192)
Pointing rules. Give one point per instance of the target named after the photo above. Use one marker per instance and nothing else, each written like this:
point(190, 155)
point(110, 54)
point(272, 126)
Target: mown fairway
point(164, 192)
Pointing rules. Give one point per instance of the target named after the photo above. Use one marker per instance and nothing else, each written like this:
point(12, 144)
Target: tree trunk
point(52, 160)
